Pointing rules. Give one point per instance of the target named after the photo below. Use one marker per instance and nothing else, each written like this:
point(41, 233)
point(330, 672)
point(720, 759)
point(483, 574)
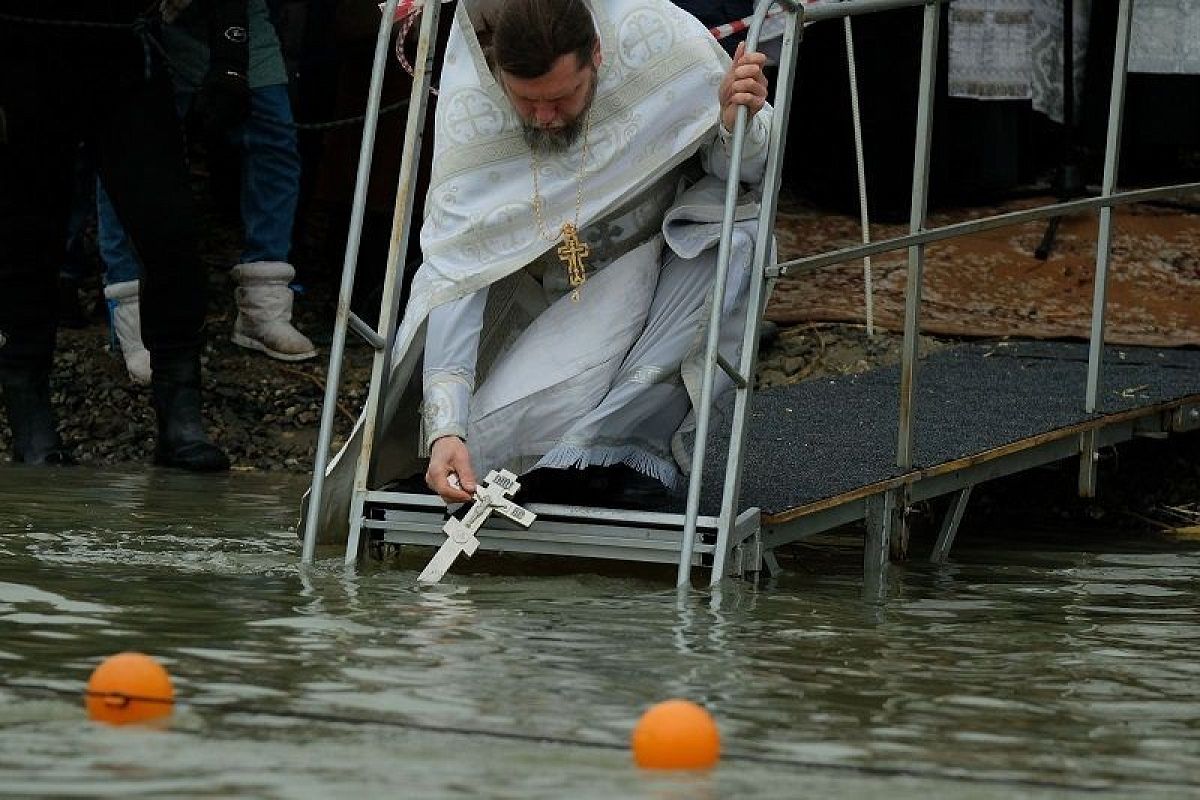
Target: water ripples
point(1066, 667)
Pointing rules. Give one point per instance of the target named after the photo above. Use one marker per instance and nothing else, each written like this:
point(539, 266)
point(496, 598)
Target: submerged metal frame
point(739, 542)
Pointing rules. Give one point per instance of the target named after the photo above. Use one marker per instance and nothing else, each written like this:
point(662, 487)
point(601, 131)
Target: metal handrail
point(916, 253)
point(965, 228)
point(1112, 150)
point(919, 236)
point(801, 14)
point(823, 11)
point(756, 300)
point(389, 306)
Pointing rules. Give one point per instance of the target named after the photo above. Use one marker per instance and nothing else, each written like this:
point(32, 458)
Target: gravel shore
point(265, 413)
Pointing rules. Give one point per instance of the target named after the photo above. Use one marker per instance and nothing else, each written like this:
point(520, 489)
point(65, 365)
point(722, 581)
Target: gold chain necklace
point(572, 251)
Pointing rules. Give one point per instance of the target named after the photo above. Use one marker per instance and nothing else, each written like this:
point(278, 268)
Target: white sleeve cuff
point(446, 408)
point(757, 134)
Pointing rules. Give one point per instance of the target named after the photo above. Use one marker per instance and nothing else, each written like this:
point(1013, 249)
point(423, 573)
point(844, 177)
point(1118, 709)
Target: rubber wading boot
point(35, 437)
point(175, 392)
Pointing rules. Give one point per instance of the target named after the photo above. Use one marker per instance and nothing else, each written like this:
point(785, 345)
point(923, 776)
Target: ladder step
point(426, 503)
point(550, 535)
point(732, 371)
point(368, 334)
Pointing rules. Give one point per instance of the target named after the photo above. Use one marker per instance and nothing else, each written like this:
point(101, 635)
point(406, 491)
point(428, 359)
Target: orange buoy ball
point(129, 688)
point(676, 734)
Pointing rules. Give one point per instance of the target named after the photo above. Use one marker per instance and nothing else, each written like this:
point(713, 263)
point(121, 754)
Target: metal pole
point(758, 292)
point(337, 347)
point(880, 518)
point(860, 162)
point(398, 246)
point(797, 266)
point(823, 11)
point(732, 189)
point(954, 515)
point(916, 253)
point(1116, 109)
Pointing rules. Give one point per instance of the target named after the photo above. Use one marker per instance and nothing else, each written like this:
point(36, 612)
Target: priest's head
point(546, 54)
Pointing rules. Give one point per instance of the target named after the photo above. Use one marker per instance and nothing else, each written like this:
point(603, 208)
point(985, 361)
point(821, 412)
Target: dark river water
point(1033, 665)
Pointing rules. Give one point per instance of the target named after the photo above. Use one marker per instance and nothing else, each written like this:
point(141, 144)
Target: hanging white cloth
point(1013, 50)
point(1165, 37)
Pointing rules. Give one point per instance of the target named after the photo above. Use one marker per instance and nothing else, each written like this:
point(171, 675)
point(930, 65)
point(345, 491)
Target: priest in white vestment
point(595, 381)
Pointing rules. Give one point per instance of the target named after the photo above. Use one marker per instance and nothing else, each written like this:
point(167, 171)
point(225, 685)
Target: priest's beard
point(550, 141)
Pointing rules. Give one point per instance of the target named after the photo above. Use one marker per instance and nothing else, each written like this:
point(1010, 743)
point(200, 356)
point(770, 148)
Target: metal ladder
point(728, 542)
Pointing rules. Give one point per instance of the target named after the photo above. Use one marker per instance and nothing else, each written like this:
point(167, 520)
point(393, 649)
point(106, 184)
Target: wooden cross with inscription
point(572, 252)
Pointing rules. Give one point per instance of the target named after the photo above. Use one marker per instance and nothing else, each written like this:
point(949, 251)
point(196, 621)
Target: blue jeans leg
point(116, 251)
point(270, 175)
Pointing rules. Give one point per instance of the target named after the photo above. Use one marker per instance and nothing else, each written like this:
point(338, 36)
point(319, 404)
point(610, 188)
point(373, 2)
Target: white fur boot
point(126, 320)
point(264, 320)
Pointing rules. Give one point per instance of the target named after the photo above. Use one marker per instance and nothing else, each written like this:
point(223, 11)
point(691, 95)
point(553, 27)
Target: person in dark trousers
point(102, 84)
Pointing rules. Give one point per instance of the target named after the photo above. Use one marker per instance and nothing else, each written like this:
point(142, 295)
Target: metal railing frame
point(892, 506)
point(763, 274)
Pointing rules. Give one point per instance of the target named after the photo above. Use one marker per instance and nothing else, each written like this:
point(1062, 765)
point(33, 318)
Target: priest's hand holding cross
point(450, 473)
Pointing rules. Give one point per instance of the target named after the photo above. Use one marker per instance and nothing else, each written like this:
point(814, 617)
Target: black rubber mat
point(823, 437)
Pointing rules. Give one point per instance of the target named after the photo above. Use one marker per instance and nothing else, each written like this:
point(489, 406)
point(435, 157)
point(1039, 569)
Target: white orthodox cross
point(490, 495)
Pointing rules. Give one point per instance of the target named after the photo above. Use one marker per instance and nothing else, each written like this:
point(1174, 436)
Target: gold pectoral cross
point(572, 252)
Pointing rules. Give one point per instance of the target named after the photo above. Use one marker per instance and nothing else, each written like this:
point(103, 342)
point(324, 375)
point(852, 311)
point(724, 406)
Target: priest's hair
point(530, 35)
